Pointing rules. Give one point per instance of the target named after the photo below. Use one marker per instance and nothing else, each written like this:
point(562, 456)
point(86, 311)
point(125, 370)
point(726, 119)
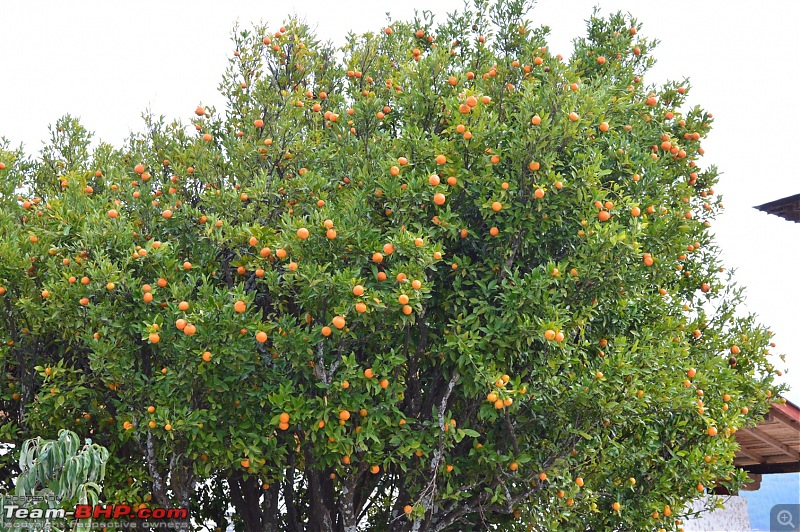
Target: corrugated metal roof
point(787, 208)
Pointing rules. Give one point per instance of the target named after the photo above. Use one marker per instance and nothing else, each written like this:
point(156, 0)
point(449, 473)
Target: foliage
point(437, 279)
point(60, 473)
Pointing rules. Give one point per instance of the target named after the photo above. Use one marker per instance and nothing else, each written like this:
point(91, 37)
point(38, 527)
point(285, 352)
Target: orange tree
point(437, 279)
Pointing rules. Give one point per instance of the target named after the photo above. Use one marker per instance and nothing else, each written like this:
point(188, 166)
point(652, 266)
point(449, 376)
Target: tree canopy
point(436, 279)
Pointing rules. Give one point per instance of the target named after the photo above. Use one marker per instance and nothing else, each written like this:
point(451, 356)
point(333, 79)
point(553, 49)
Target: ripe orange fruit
point(433, 180)
point(377, 257)
point(240, 306)
point(603, 216)
point(154, 338)
point(439, 198)
point(550, 334)
point(579, 481)
point(139, 168)
point(344, 415)
point(189, 330)
point(258, 123)
point(384, 383)
point(536, 120)
point(326, 331)
point(497, 206)
point(113, 213)
point(616, 506)
point(441, 159)
point(338, 322)
point(206, 356)
point(513, 466)
point(358, 290)
point(712, 431)
point(407, 509)
point(573, 116)
point(691, 372)
point(261, 337)
point(302, 233)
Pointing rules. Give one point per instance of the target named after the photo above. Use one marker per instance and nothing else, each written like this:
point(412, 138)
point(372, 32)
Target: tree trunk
point(270, 512)
point(182, 483)
point(347, 506)
point(321, 496)
point(248, 510)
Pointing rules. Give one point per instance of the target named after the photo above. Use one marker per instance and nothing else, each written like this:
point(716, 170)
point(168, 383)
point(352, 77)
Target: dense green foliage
point(531, 375)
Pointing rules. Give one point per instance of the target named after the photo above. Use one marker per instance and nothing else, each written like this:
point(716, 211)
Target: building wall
point(733, 518)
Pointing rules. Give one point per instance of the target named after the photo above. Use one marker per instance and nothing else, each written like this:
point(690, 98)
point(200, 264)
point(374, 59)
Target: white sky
point(107, 61)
